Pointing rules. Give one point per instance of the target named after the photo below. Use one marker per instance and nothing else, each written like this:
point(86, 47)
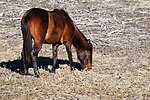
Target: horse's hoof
point(24, 73)
point(52, 71)
point(72, 68)
point(81, 69)
point(46, 69)
point(37, 76)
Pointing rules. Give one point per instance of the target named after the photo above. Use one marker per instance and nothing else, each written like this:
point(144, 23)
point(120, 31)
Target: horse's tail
point(27, 41)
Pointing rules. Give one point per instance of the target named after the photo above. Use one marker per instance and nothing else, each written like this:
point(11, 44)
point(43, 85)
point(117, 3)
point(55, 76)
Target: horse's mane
point(66, 14)
point(68, 17)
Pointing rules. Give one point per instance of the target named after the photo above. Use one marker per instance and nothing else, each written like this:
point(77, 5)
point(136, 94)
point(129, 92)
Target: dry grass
point(120, 33)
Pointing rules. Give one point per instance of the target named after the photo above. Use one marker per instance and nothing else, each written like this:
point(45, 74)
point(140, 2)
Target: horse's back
point(49, 26)
point(36, 13)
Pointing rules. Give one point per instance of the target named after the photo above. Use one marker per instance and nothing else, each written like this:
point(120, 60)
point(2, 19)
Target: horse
point(52, 27)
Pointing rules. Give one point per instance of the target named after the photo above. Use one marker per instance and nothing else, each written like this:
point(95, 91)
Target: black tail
point(27, 42)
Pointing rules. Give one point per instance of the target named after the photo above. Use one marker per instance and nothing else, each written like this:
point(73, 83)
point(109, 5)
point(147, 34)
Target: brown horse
point(56, 28)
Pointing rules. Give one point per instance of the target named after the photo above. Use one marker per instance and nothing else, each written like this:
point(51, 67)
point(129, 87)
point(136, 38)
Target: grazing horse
point(56, 28)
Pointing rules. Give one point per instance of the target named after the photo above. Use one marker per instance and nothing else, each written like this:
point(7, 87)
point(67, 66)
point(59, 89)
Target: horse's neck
point(79, 40)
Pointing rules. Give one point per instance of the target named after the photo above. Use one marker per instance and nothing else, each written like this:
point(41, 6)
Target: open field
point(120, 33)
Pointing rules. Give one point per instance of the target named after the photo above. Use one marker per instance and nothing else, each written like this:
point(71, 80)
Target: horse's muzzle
point(88, 66)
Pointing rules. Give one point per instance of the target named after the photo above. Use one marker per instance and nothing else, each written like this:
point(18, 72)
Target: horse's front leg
point(69, 52)
point(55, 50)
point(34, 54)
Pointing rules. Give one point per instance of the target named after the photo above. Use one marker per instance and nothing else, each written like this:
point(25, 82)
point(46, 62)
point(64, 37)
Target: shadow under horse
point(43, 63)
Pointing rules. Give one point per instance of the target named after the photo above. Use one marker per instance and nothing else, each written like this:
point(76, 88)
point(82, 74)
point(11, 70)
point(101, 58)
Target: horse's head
point(85, 56)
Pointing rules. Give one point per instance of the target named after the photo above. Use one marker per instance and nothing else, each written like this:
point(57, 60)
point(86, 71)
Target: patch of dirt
point(120, 33)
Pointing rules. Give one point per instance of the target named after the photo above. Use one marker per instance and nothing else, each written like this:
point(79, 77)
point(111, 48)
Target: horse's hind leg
point(25, 67)
point(55, 50)
point(34, 55)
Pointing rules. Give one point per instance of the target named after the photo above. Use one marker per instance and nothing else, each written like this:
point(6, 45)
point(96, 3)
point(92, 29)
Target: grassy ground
point(120, 33)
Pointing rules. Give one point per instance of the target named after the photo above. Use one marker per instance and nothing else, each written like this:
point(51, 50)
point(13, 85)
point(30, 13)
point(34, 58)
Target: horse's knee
point(33, 52)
